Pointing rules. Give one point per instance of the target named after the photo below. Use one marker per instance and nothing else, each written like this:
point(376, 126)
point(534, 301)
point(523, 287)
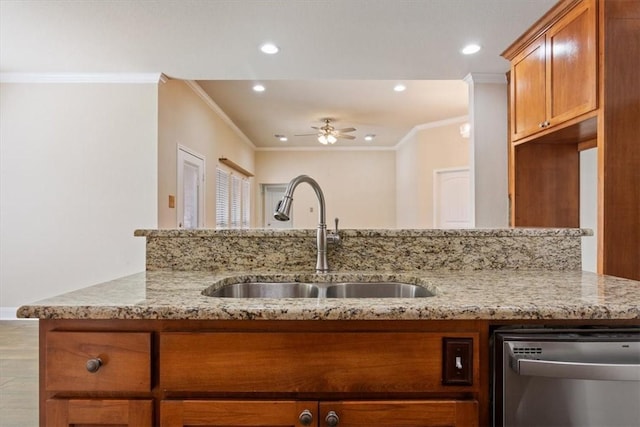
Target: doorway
point(190, 189)
point(452, 198)
point(271, 195)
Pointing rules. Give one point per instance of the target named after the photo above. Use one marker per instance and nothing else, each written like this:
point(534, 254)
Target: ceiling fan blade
point(346, 130)
point(345, 136)
point(307, 134)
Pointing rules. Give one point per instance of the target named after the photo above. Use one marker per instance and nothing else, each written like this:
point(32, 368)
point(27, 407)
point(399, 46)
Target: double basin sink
point(320, 290)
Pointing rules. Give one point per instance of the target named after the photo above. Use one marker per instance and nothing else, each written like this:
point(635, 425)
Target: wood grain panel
point(375, 362)
point(126, 361)
point(572, 64)
point(528, 90)
point(96, 412)
point(403, 413)
point(547, 185)
point(232, 413)
point(620, 174)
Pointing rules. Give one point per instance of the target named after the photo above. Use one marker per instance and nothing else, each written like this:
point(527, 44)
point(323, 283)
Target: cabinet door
point(232, 413)
point(400, 413)
point(97, 412)
point(572, 64)
point(528, 90)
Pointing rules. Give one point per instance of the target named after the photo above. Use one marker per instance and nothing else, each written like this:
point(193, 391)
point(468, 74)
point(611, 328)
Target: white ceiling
point(324, 43)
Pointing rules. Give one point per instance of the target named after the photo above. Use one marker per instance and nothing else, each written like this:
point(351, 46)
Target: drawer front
point(120, 361)
point(99, 412)
point(363, 362)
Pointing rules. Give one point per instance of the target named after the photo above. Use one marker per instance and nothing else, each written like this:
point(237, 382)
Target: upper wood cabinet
point(554, 77)
point(574, 86)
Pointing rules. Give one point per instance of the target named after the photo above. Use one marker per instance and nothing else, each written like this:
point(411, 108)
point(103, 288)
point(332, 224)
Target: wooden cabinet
point(553, 79)
point(310, 362)
point(101, 364)
point(410, 413)
point(263, 373)
point(573, 85)
point(98, 361)
point(99, 412)
point(241, 413)
point(320, 364)
point(250, 413)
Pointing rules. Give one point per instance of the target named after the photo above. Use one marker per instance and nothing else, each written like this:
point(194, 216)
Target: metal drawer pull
point(306, 417)
point(332, 419)
point(93, 365)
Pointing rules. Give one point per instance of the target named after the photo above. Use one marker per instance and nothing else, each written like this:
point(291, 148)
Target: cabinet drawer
point(99, 412)
point(314, 362)
point(124, 361)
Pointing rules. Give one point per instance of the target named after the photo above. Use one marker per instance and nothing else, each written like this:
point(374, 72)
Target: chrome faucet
point(283, 211)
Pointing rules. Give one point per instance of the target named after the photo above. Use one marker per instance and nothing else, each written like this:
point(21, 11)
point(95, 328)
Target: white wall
point(186, 119)
point(432, 146)
point(358, 186)
point(78, 176)
point(488, 118)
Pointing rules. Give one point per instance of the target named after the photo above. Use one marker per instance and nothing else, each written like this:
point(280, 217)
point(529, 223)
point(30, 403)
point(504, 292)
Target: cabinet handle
point(332, 419)
point(93, 365)
point(541, 124)
point(306, 417)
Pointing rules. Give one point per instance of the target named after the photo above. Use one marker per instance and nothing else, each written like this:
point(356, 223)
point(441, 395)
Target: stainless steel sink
point(260, 289)
point(376, 290)
point(266, 290)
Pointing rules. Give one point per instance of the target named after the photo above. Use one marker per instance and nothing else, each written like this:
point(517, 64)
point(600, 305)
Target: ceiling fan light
point(331, 139)
point(322, 139)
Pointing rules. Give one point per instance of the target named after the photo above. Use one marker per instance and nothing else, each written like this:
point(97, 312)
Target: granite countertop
point(463, 295)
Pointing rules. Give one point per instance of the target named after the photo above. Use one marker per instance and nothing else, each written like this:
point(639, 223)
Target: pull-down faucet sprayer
point(283, 211)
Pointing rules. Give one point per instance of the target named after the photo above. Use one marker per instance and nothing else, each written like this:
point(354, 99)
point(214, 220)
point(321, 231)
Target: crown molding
point(195, 87)
point(430, 125)
point(494, 78)
point(325, 149)
point(137, 78)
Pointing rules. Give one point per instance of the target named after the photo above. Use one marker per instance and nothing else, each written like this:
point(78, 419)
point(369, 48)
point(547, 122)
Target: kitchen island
point(154, 349)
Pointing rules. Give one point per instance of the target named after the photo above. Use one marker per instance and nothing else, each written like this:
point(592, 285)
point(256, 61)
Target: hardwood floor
point(18, 373)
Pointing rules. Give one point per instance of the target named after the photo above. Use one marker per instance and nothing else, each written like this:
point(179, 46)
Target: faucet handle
point(333, 236)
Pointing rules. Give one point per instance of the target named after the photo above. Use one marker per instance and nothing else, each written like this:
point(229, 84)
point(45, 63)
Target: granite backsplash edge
point(371, 250)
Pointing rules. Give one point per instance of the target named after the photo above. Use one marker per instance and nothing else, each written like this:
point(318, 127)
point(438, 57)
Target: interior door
point(190, 189)
point(452, 198)
point(272, 194)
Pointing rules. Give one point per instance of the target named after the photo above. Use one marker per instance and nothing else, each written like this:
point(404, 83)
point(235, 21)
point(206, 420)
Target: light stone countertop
point(459, 295)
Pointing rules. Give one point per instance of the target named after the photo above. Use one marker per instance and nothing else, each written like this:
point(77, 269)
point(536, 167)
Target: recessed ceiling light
point(470, 49)
point(258, 88)
point(369, 137)
point(281, 138)
point(269, 48)
point(399, 87)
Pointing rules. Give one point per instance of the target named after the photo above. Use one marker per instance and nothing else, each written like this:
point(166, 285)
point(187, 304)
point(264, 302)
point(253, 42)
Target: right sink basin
point(376, 290)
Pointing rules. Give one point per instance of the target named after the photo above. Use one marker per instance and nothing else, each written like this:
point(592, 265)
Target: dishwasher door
point(567, 379)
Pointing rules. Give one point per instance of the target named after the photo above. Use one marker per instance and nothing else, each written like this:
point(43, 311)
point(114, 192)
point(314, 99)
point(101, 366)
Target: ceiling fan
point(327, 134)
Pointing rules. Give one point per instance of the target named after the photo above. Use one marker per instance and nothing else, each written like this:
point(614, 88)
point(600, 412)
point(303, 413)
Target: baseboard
point(8, 313)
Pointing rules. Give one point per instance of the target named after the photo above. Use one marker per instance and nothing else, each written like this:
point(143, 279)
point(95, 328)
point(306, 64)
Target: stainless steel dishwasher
point(566, 377)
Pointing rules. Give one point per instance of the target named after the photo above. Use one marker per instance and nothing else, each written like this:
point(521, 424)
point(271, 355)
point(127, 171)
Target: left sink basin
point(266, 290)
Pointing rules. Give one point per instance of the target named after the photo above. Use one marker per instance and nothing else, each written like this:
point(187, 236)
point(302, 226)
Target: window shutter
point(246, 204)
point(222, 199)
point(236, 201)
